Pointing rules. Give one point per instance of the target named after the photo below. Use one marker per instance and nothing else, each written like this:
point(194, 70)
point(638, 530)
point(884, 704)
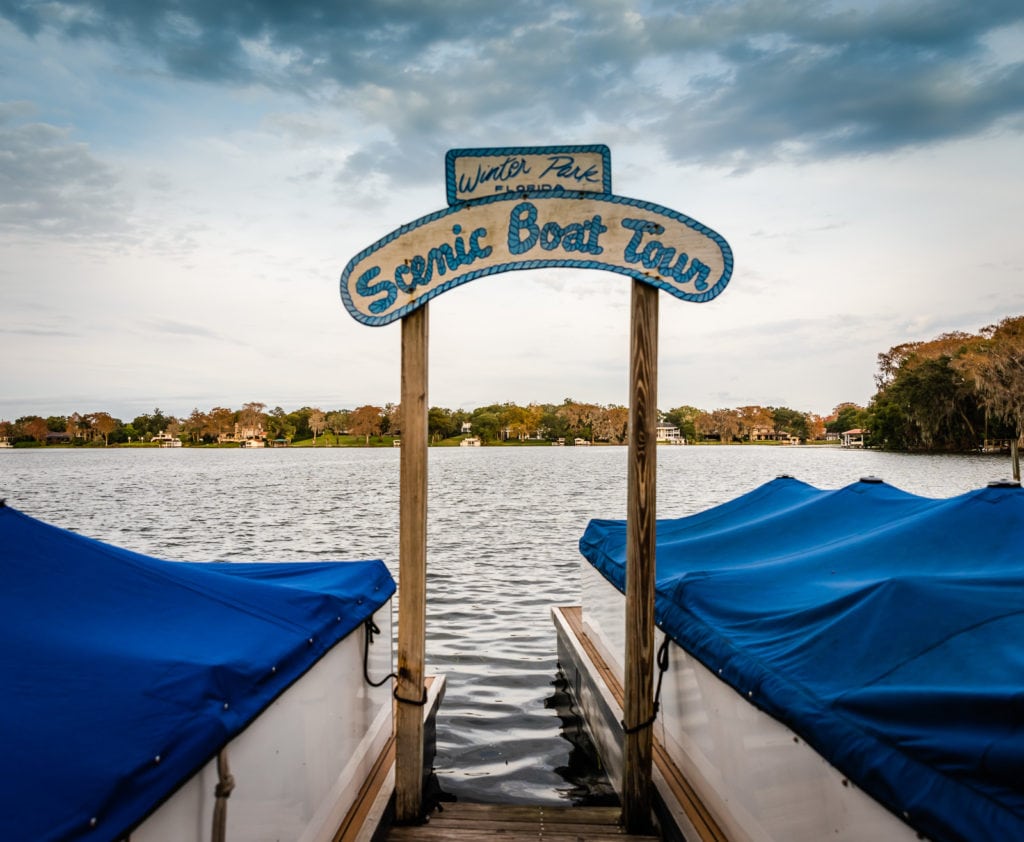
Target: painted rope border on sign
point(377, 321)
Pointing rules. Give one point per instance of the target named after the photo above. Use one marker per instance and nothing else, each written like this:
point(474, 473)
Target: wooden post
point(1015, 456)
point(640, 537)
point(412, 570)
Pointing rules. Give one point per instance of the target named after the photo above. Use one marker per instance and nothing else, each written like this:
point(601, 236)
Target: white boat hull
point(299, 767)
point(752, 778)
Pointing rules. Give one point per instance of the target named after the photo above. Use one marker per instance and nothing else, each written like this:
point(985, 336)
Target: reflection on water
point(589, 784)
point(504, 524)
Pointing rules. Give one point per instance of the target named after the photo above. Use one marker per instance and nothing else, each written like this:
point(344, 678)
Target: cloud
point(184, 329)
point(817, 84)
point(37, 330)
point(49, 184)
point(739, 84)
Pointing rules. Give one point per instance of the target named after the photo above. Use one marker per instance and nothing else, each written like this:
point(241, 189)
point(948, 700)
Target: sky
point(182, 184)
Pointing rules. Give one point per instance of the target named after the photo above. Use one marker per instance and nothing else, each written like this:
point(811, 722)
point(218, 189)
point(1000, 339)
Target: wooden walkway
point(461, 821)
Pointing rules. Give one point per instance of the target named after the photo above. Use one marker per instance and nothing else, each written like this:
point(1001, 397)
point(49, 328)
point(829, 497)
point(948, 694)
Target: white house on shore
point(245, 435)
point(670, 434)
point(165, 439)
point(853, 438)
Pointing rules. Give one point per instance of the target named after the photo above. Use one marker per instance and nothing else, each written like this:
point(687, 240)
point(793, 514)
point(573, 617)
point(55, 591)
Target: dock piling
point(412, 569)
point(640, 543)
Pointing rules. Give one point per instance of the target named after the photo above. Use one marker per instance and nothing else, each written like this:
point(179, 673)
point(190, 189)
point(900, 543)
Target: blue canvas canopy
point(886, 629)
point(124, 674)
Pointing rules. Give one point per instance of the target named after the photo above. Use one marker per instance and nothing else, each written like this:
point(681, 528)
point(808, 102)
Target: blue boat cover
point(124, 674)
point(884, 628)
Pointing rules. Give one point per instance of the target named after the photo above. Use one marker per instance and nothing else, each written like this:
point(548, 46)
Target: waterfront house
point(669, 433)
point(165, 439)
point(853, 438)
point(246, 435)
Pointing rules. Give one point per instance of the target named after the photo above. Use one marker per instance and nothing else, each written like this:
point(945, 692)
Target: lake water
point(502, 549)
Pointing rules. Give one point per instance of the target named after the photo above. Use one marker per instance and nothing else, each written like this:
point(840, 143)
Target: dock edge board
point(369, 816)
point(599, 694)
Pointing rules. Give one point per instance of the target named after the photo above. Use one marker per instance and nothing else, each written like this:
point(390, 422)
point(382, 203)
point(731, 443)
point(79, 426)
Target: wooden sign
point(522, 230)
point(481, 173)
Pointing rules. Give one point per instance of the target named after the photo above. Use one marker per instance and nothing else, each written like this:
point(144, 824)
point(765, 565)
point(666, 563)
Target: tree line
point(956, 392)
point(571, 419)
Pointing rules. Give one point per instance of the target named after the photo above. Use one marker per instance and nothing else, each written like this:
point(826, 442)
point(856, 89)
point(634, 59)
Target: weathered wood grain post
point(640, 544)
point(412, 569)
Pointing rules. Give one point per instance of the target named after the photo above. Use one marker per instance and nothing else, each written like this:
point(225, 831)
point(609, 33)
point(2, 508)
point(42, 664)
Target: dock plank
point(517, 823)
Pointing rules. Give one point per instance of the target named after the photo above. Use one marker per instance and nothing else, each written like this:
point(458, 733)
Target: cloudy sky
point(181, 185)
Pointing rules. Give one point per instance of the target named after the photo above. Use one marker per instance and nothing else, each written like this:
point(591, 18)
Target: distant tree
point(486, 422)
point(141, 424)
point(251, 418)
point(683, 417)
point(815, 427)
point(158, 421)
point(533, 420)
point(299, 419)
point(317, 422)
point(57, 423)
point(580, 417)
point(104, 424)
point(600, 425)
point(34, 427)
point(994, 363)
point(278, 424)
point(618, 423)
point(151, 424)
point(704, 425)
point(385, 418)
point(459, 417)
point(723, 423)
point(337, 421)
point(846, 416)
point(790, 421)
point(75, 426)
point(554, 423)
point(727, 422)
point(923, 402)
point(195, 425)
point(220, 422)
point(439, 423)
point(514, 421)
point(906, 356)
point(755, 417)
point(366, 421)
point(392, 419)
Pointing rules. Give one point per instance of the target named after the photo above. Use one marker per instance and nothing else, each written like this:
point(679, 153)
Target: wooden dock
point(518, 823)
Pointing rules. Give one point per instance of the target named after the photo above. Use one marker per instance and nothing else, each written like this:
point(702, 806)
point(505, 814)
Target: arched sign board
point(531, 219)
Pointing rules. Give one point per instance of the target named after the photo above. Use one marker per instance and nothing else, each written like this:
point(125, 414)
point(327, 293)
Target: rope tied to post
point(662, 661)
point(417, 702)
point(371, 630)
